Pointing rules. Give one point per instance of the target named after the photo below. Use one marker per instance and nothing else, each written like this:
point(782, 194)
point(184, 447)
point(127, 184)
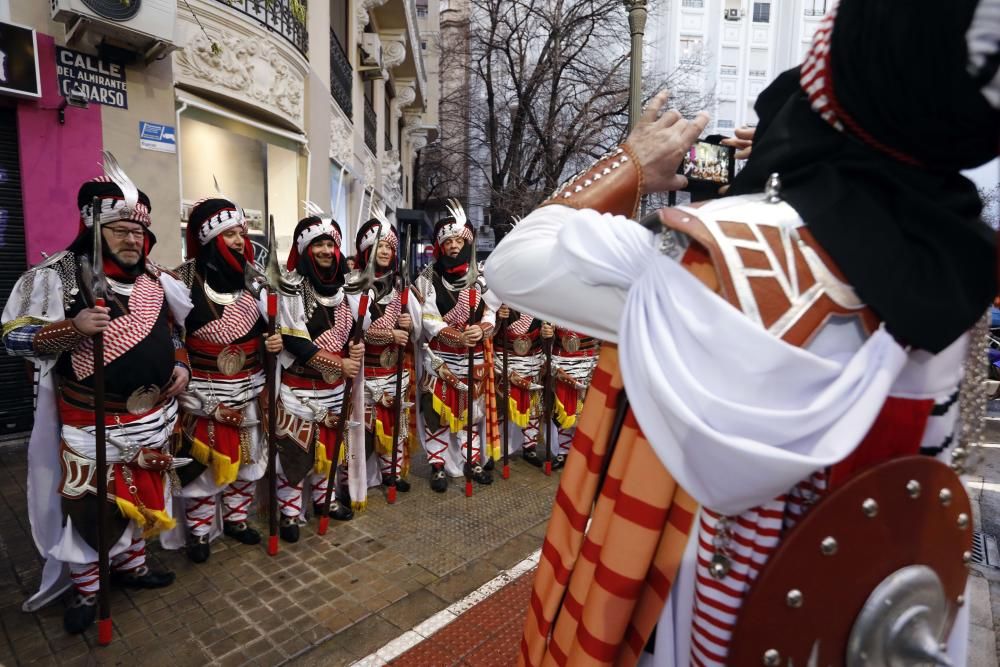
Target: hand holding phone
point(708, 163)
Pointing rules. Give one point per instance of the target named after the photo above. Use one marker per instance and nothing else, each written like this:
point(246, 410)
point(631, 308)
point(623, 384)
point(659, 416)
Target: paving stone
point(243, 605)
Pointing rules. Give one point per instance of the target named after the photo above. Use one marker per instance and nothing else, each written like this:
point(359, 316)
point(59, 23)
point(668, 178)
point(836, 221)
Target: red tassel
point(391, 497)
point(506, 472)
point(468, 489)
point(104, 631)
point(272, 304)
point(324, 522)
point(272, 545)
point(100, 303)
point(548, 468)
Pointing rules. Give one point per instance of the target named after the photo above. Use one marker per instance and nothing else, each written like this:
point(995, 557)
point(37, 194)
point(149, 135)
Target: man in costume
point(316, 321)
point(450, 332)
point(221, 424)
point(777, 361)
point(50, 319)
point(525, 362)
point(574, 357)
point(386, 337)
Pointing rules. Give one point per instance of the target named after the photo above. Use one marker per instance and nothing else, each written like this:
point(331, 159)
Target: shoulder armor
point(185, 273)
point(62, 258)
point(291, 283)
point(65, 266)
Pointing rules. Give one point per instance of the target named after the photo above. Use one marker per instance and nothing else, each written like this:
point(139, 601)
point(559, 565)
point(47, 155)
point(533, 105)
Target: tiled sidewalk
point(325, 600)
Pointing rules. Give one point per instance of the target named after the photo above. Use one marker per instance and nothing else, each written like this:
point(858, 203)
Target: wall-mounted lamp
point(76, 98)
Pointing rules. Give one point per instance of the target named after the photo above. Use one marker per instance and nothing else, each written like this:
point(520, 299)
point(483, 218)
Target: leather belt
point(77, 395)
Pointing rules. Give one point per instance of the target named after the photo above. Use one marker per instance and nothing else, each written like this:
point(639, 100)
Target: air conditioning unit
point(140, 26)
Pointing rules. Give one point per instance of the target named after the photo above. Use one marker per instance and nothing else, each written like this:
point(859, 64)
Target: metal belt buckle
point(522, 346)
point(142, 400)
point(231, 360)
point(571, 343)
point(389, 357)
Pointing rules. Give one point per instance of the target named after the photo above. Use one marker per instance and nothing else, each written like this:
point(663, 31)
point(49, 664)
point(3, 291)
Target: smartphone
point(709, 163)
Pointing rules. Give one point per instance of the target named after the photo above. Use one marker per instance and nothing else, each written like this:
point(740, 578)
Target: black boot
point(401, 484)
point(532, 457)
point(80, 614)
point(559, 461)
point(241, 532)
point(340, 510)
point(143, 577)
point(439, 481)
point(489, 465)
point(198, 549)
point(479, 474)
point(289, 529)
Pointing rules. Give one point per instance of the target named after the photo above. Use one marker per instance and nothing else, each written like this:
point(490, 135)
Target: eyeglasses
point(120, 233)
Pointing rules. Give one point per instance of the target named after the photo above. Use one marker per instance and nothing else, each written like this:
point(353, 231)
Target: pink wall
point(55, 160)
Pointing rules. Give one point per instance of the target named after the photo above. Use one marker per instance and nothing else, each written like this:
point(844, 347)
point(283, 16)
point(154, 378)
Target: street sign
point(98, 81)
point(156, 137)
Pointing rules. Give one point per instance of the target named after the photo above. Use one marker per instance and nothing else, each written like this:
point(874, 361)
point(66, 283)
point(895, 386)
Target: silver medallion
point(231, 360)
point(142, 400)
point(388, 357)
point(571, 343)
point(522, 346)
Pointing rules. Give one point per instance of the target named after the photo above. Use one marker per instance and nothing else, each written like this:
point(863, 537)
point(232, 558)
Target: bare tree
point(991, 205)
point(532, 91)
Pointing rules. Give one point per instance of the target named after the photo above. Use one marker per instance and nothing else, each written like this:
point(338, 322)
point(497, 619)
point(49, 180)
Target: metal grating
point(984, 550)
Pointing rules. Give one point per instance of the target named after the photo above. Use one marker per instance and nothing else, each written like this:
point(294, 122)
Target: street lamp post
point(637, 14)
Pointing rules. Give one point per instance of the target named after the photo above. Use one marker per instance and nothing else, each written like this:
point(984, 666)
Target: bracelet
point(57, 337)
point(451, 337)
point(330, 366)
point(612, 185)
point(379, 336)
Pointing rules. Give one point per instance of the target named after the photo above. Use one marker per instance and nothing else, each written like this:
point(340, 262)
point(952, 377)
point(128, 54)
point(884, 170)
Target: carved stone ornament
point(369, 169)
point(246, 68)
point(341, 138)
point(393, 49)
point(361, 14)
point(391, 170)
point(406, 93)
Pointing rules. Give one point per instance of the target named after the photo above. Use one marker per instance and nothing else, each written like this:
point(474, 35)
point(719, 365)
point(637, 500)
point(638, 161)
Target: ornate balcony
point(371, 127)
point(341, 75)
point(277, 16)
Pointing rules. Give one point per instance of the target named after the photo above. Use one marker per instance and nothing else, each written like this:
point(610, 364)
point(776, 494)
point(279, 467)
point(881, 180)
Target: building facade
point(277, 101)
point(731, 48)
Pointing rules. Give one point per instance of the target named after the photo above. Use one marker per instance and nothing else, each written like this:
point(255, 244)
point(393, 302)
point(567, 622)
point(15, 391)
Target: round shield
point(808, 599)
point(142, 400)
point(522, 346)
point(570, 343)
point(231, 360)
point(388, 357)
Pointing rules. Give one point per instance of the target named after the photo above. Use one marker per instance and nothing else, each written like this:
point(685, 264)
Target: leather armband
point(451, 336)
point(152, 459)
point(330, 366)
point(612, 185)
point(488, 330)
point(57, 337)
point(379, 336)
point(182, 358)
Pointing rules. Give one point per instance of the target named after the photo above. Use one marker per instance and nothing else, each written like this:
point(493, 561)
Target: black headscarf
point(325, 281)
point(909, 238)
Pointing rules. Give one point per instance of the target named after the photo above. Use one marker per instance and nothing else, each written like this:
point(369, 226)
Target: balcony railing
point(727, 70)
point(697, 4)
point(371, 127)
point(762, 73)
point(277, 16)
point(341, 75)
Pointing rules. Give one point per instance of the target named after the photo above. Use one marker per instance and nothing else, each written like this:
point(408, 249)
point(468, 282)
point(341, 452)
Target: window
point(422, 9)
point(762, 12)
point(697, 4)
point(815, 7)
point(423, 45)
point(690, 49)
point(757, 65)
point(728, 124)
point(339, 21)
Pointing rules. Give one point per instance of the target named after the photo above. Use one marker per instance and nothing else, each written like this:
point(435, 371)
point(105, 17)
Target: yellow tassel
point(359, 506)
point(456, 424)
point(383, 440)
point(516, 417)
point(565, 420)
point(153, 522)
point(322, 464)
point(224, 469)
